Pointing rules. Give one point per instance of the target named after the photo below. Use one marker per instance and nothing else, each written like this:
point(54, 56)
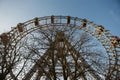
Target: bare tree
point(53, 53)
point(8, 58)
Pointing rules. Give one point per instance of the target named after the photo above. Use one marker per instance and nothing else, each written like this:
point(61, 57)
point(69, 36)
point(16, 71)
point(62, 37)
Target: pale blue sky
point(104, 12)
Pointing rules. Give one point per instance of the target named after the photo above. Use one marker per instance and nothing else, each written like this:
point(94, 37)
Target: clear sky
point(104, 12)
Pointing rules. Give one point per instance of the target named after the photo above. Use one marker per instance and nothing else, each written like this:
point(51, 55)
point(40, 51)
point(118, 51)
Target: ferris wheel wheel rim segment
point(32, 21)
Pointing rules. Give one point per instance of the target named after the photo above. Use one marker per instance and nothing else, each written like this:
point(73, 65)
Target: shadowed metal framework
point(61, 45)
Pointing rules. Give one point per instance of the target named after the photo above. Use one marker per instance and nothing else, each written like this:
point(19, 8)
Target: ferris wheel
point(59, 47)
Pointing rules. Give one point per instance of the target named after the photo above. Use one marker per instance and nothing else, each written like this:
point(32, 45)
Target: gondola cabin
point(20, 27)
point(84, 22)
point(52, 19)
point(100, 29)
point(68, 20)
point(115, 41)
point(4, 38)
point(36, 21)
